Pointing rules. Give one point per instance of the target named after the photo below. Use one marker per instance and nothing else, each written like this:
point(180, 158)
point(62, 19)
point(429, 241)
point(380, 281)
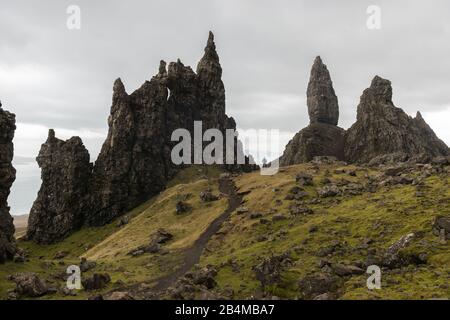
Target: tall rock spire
point(62, 198)
point(211, 88)
point(7, 177)
point(209, 70)
point(210, 59)
point(321, 99)
point(322, 137)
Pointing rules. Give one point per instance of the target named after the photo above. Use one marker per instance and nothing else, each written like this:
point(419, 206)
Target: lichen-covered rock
point(383, 129)
point(62, 199)
point(7, 177)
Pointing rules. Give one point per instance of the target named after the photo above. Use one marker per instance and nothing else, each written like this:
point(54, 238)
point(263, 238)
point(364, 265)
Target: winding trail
point(192, 255)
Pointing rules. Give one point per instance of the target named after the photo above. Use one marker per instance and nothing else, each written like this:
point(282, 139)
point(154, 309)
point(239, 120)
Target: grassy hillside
point(347, 221)
point(276, 219)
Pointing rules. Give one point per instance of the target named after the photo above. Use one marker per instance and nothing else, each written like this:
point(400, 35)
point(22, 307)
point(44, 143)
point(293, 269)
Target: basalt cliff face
point(381, 130)
point(7, 177)
point(135, 160)
point(322, 137)
point(382, 133)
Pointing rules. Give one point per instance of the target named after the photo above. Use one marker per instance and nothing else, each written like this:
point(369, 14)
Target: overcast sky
point(53, 77)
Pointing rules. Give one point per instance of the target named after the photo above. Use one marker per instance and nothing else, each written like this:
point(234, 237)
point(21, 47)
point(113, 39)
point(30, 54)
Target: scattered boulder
point(394, 171)
point(118, 295)
point(268, 271)
point(123, 221)
point(29, 285)
point(395, 256)
point(207, 196)
point(343, 270)
point(161, 236)
point(157, 239)
point(304, 179)
point(203, 276)
point(328, 191)
point(86, 265)
point(441, 227)
point(182, 207)
point(317, 284)
point(96, 282)
point(296, 209)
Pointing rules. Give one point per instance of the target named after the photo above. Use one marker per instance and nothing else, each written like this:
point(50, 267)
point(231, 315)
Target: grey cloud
point(59, 78)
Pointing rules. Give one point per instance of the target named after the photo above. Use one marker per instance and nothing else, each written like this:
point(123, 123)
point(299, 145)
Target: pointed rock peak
point(210, 44)
point(119, 89)
point(381, 88)
point(162, 67)
point(419, 116)
point(321, 99)
point(51, 136)
point(319, 70)
point(318, 61)
point(118, 86)
point(209, 64)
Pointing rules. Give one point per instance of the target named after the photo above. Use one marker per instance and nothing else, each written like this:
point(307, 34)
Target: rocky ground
point(308, 232)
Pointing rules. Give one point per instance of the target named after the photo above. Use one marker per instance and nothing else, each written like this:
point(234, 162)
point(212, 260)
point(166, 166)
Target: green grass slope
point(357, 224)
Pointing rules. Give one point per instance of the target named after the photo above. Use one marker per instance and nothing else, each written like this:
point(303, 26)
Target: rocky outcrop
point(322, 137)
point(318, 139)
point(135, 160)
point(321, 100)
point(62, 198)
point(7, 177)
point(382, 129)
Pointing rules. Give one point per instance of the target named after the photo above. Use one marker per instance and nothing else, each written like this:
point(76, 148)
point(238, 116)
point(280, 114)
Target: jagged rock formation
point(322, 137)
point(61, 201)
point(135, 160)
point(321, 100)
point(382, 129)
point(7, 177)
